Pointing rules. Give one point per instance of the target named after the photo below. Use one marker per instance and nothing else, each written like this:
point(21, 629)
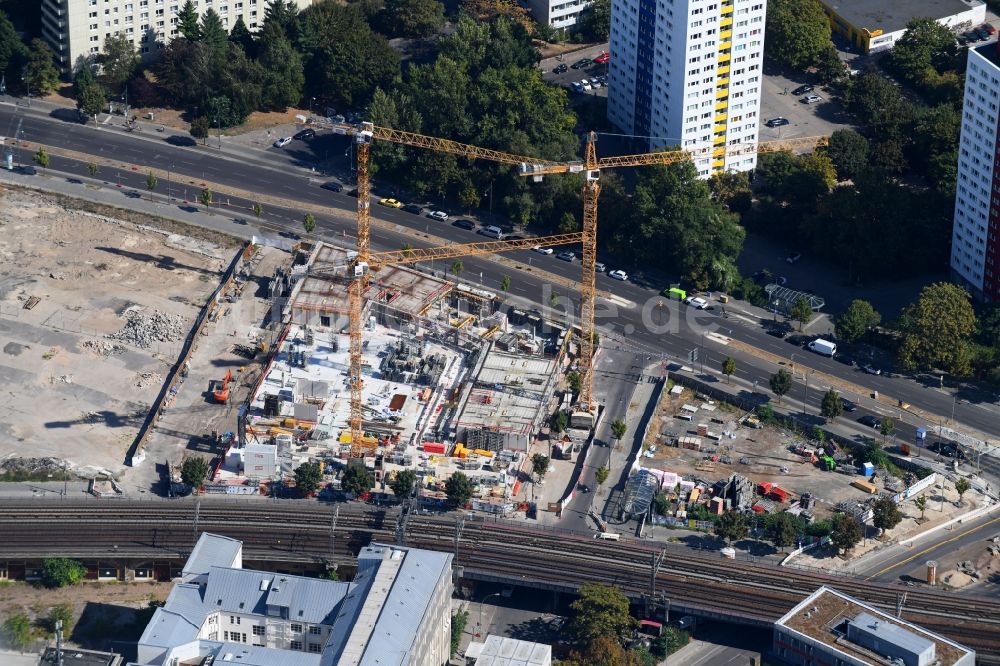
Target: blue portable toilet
point(867, 470)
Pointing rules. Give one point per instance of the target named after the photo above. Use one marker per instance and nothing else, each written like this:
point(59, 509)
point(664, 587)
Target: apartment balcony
point(726, 35)
point(719, 164)
point(719, 152)
point(722, 93)
point(720, 130)
point(722, 105)
point(726, 22)
point(726, 9)
point(723, 57)
point(719, 141)
point(722, 70)
point(722, 83)
point(721, 119)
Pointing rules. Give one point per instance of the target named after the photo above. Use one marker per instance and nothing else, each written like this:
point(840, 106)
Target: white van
point(822, 347)
point(608, 536)
point(492, 232)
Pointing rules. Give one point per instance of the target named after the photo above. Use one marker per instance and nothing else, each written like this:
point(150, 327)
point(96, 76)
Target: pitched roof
point(247, 591)
point(212, 550)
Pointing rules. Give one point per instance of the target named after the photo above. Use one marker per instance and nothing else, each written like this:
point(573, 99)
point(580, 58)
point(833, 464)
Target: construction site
point(93, 313)
point(451, 381)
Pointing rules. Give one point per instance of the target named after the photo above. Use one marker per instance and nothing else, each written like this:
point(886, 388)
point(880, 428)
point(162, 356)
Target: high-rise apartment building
point(75, 28)
point(688, 73)
point(557, 13)
point(975, 236)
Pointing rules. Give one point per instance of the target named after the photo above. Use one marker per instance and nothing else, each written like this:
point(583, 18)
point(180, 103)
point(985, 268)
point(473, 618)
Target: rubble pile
point(142, 329)
point(144, 379)
point(103, 348)
point(30, 467)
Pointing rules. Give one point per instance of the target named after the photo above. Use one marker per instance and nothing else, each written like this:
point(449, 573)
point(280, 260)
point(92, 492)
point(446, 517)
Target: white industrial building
point(396, 610)
point(689, 73)
point(876, 25)
point(75, 28)
point(829, 627)
point(557, 13)
point(975, 245)
point(503, 651)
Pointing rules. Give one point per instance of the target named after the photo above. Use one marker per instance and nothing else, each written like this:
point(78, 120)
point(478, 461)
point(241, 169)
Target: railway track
point(293, 531)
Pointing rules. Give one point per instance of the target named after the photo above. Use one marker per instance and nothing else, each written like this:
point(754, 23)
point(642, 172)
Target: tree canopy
point(732, 526)
point(831, 406)
point(118, 60)
point(412, 18)
point(308, 476)
point(781, 383)
point(402, 484)
point(937, 328)
point(926, 47)
point(848, 150)
point(798, 31)
point(62, 572)
point(357, 480)
point(846, 532)
point(459, 489)
point(41, 74)
point(886, 514)
point(782, 529)
point(600, 611)
point(194, 469)
point(855, 322)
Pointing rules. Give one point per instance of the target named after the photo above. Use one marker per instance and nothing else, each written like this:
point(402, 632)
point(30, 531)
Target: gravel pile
point(142, 329)
point(103, 348)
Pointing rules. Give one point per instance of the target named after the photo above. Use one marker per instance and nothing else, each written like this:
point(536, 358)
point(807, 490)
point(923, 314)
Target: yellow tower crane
point(364, 260)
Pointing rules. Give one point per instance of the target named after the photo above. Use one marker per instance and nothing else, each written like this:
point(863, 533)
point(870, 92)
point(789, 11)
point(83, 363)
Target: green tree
point(284, 78)
point(240, 35)
point(539, 465)
point(91, 98)
point(732, 526)
point(962, 486)
point(846, 532)
point(505, 284)
point(151, 183)
point(618, 429)
point(330, 574)
point(573, 381)
point(194, 469)
point(798, 31)
point(600, 611)
point(669, 641)
point(848, 150)
point(413, 18)
point(459, 489)
point(457, 267)
point(284, 14)
point(61, 613)
point(732, 188)
point(595, 21)
point(199, 127)
point(187, 22)
point(458, 621)
point(308, 477)
point(93, 169)
point(42, 77)
point(936, 329)
point(205, 197)
point(258, 210)
point(62, 572)
point(831, 406)
point(13, 52)
point(801, 311)
point(887, 427)
point(855, 322)
point(728, 368)
point(118, 60)
point(41, 158)
point(402, 484)
point(357, 479)
point(17, 631)
point(558, 421)
point(829, 67)
point(886, 514)
point(921, 504)
point(781, 383)
point(926, 46)
point(782, 529)
point(601, 475)
point(309, 223)
point(661, 503)
point(213, 33)
point(875, 454)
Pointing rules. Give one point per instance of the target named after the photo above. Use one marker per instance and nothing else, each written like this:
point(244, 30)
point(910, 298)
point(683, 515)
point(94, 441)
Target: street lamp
point(490, 195)
point(479, 627)
point(169, 168)
point(218, 124)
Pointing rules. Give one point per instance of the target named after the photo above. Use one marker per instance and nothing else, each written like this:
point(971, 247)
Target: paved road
point(636, 315)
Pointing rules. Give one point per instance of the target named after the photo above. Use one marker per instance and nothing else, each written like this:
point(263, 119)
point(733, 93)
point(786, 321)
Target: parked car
point(802, 90)
point(811, 99)
point(603, 58)
point(793, 257)
point(438, 215)
point(870, 421)
point(871, 369)
point(577, 86)
point(468, 225)
point(619, 275)
point(847, 405)
point(777, 122)
point(566, 256)
point(583, 488)
point(542, 250)
point(390, 203)
point(413, 208)
point(282, 142)
point(595, 83)
point(560, 69)
point(307, 133)
point(333, 186)
point(981, 33)
point(581, 63)
point(586, 84)
point(696, 302)
point(988, 27)
point(962, 40)
point(599, 267)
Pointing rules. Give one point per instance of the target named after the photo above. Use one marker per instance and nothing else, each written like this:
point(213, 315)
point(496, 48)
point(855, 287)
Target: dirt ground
point(98, 608)
point(68, 280)
point(762, 455)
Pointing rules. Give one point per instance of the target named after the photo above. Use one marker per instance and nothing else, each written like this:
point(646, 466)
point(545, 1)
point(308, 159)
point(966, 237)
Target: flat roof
point(990, 51)
point(80, 657)
point(893, 15)
point(504, 651)
point(823, 614)
point(509, 392)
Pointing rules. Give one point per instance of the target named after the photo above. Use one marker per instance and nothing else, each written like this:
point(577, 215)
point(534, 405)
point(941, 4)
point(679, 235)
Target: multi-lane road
point(636, 313)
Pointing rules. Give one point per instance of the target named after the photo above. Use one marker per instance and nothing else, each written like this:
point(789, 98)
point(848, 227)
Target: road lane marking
point(930, 548)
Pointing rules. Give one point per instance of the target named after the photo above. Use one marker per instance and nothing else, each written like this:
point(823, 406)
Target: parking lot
point(777, 101)
point(566, 78)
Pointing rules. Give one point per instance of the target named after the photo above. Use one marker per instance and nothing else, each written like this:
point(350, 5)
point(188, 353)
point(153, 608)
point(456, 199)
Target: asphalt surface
point(646, 322)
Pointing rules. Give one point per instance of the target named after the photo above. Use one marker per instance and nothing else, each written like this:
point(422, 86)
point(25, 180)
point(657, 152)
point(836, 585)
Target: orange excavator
point(221, 393)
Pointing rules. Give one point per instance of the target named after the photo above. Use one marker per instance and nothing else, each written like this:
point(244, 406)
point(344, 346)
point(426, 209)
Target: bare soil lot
point(93, 311)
